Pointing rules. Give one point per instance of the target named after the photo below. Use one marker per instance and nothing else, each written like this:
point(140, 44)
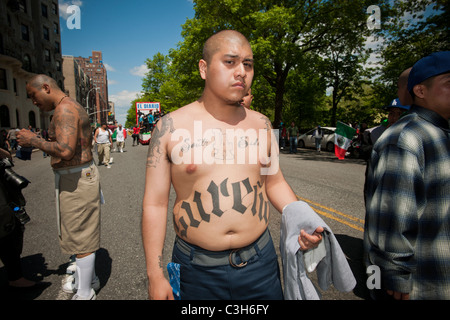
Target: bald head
point(403, 78)
point(214, 43)
point(402, 92)
point(39, 80)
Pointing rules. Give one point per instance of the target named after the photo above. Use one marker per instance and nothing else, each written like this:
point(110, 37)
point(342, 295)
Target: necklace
point(61, 100)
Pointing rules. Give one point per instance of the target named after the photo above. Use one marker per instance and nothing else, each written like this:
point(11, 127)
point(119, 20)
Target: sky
point(128, 32)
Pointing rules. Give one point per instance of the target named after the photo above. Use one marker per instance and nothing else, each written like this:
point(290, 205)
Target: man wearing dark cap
point(407, 228)
point(395, 111)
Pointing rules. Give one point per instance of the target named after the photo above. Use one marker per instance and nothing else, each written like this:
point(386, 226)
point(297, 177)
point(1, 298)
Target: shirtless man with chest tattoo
point(221, 159)
point(77, 181)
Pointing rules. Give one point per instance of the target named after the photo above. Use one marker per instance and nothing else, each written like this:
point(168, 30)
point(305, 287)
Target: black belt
point(207, 258)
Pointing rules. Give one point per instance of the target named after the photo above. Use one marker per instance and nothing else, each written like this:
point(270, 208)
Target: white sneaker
point(71, 268)
point(108, 166)
point(111, 160)
point(69, 284)
point(92, 296)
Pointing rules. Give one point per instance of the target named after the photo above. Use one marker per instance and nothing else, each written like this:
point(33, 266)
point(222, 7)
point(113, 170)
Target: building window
point(4, 116)
point(57, 47)
point(25, 33)
point(44, 10)
point(47, 55)
point(54, 8)
point(17, 119)
point(55, 28)
point(3, 80)
point(46, 33)
point(26, 63)
point(32, 119)
point(58, 65)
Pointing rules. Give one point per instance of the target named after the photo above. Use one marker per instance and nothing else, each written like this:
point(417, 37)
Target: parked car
point(307, 140)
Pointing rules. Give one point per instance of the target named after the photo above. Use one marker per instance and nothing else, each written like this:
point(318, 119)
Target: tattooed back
point(70, 121)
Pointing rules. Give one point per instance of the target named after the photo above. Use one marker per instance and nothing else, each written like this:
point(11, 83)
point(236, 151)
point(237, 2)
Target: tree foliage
point(311, 56)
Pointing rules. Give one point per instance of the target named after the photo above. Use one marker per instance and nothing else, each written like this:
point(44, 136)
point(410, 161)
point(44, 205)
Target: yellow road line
point(328, 215)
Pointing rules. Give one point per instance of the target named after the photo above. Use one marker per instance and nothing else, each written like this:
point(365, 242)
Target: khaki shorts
point(79, 205)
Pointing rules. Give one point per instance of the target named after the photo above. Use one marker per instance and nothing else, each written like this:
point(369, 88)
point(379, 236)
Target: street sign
point(143, 108)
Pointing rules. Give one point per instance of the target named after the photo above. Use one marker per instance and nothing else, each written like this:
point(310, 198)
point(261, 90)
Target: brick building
point(94, 68)
point(79, 86)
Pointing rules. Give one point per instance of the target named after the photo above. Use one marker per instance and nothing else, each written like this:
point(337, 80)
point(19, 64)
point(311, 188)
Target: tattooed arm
point(155, 206)
point(65, 123)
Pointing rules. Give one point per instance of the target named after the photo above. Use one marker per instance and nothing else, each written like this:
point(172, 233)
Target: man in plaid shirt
point(407, 226)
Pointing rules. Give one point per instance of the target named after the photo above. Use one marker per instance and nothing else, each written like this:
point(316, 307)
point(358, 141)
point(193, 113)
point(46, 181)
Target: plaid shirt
point(407, 226)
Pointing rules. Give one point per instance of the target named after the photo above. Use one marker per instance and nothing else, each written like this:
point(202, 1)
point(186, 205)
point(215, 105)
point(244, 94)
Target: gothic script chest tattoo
point(216, 193)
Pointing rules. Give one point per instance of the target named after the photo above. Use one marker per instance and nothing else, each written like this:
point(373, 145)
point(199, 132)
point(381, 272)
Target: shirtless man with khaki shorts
point(219, 158)
point(76, 178)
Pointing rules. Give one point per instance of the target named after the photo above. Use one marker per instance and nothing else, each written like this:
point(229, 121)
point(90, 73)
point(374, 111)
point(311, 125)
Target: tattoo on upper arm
point(267, 122)
point(64, 127)
point(154, 149)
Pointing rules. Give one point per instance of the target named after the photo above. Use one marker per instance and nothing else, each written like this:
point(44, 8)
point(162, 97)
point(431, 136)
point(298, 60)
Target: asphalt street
point(332, 187)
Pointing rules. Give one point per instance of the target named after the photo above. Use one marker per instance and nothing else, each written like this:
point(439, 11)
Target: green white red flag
point(342, 139)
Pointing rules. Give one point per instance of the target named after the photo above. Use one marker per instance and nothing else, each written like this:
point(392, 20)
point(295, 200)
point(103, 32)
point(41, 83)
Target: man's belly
point(223, 215)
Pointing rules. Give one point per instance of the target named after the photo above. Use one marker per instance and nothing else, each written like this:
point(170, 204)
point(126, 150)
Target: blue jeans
point(293, 144)
point(318, 143)
point(259, 279)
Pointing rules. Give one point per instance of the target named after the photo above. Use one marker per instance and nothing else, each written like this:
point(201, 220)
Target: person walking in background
point(293, 133)
point(136, 130)
point(318, 135)
point(121, 135)
point(12, 138)
point(104, 142)
point(283, 135)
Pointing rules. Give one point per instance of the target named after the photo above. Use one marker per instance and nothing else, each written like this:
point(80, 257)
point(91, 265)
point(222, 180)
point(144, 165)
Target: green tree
point(157, 75)
point(281, 32)
point(416, 29)
point(344, 73)
point(300, 49)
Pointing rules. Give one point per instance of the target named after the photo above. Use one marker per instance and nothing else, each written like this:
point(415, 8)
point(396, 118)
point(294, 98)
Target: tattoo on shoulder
point(267, 123)
point(154, 149)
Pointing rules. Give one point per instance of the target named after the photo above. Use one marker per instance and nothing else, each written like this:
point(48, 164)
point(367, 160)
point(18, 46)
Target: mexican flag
point(342, 139)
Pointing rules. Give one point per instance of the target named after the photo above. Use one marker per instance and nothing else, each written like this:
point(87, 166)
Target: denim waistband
point(208, 258)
